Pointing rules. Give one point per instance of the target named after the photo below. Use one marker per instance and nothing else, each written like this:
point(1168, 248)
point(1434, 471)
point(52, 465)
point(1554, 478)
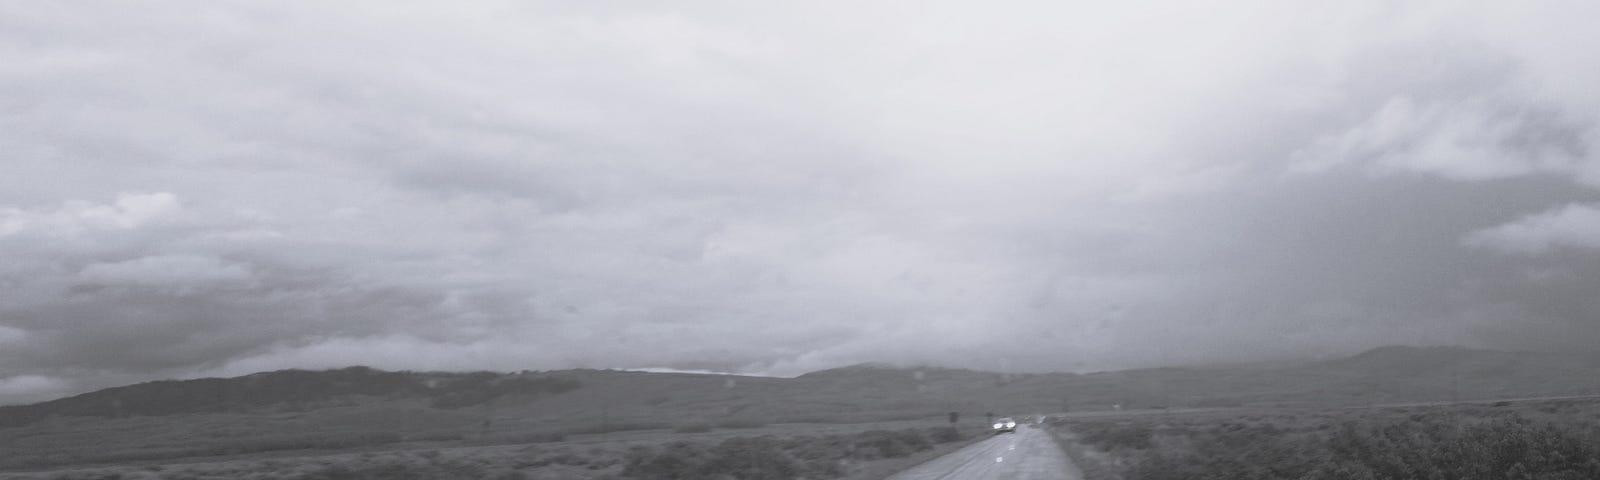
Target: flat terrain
point(866, 451)
point(1030, 454)
point(592, 419)
point(1536, 438)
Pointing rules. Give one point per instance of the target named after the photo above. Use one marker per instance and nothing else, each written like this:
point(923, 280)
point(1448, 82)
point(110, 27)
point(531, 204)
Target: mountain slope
point(1388, 373)
point(361, 406)
point(289, 390)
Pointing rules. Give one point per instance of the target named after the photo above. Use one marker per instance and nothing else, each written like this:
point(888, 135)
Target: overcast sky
point(219, 188)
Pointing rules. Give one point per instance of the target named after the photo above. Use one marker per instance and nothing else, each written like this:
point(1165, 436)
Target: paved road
point(1029, 454)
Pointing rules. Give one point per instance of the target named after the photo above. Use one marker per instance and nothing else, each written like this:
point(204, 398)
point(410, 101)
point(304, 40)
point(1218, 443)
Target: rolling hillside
point(290, 390)
point(358, 406)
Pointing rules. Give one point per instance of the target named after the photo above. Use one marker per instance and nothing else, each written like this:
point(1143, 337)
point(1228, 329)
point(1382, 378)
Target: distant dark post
point(954, 416)
point(488, 418)
point(989, 416)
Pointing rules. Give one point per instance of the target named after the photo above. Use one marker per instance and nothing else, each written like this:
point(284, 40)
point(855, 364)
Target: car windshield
point(637, 240)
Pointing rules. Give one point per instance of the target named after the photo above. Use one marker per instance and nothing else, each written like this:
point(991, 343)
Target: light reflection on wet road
point(1029, 454)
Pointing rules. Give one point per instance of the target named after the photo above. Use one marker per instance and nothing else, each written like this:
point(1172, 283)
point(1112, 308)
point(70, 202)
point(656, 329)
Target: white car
point(1005, 425)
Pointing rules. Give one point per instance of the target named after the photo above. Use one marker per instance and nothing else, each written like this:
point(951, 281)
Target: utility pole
point(488, 419)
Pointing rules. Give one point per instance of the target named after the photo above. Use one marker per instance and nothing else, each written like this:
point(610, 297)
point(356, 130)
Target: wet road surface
point(1029, 454)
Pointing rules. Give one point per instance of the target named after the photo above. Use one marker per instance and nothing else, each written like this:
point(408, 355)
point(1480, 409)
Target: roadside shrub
point(740, 423)
point(518, 437)
point(435, 436)
point(759, 458)
point(944, 434)
point(1422, 446)
point(754, 459)
point(692, 428)
point(678, 460)
point(617, 427)
point(886, 444)
point(1111, 436)
point(506, 474)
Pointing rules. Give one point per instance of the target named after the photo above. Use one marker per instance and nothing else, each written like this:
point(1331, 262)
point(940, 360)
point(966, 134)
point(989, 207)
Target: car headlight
point(997, 425)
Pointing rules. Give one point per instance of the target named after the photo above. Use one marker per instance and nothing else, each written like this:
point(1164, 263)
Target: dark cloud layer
point(224, 187)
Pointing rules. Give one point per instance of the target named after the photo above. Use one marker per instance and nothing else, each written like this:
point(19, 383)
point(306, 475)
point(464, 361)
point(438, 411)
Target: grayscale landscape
point(632, 240)
point(562, 423)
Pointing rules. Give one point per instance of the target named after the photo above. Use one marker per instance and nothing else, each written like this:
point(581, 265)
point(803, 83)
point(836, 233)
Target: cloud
point(220, 188)
point(1465, 140)
point(1574, 226)
point(130, 210)
point(10, 335)
point(26, 388)
point(165, 270)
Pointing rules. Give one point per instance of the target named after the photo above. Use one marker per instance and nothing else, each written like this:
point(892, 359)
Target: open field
point(1532, 439)
point(857, 451)
point(207, 438)
point(362, 411)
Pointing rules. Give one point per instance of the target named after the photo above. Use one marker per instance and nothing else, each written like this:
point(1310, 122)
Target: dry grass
point(1554, 439)
point(777, 452)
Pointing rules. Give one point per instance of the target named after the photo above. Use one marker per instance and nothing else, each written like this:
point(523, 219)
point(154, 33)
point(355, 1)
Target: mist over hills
point(290, 390)
point(360, 407)
point(1386, 374)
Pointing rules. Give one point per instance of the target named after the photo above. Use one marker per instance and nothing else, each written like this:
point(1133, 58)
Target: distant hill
point(1398, 374)
point(1382, 374)
point(290, 390)
point(304, 409)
